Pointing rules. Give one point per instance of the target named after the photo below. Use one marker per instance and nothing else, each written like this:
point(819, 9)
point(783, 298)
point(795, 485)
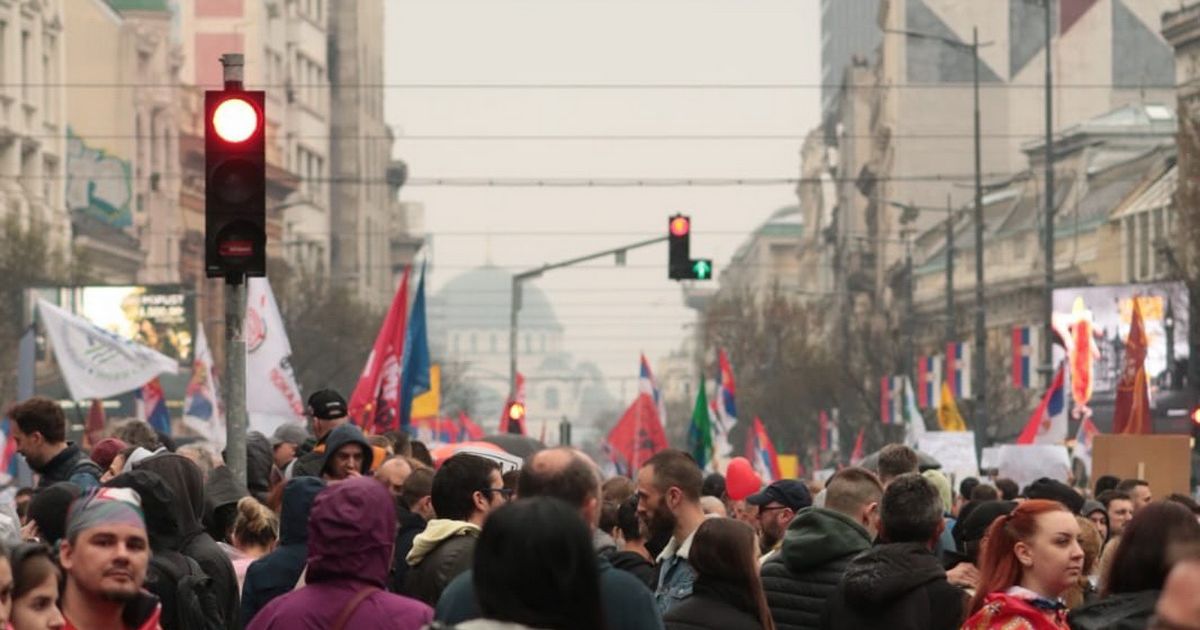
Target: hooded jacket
point(277, 572)
point(899, 586)
point(221, 495)
point(817, 547)
point(341, 436)
point(186, 481)
point(260, 457)
point(311, 458)
point(350, 529)
point(1119, 611)
point(439, 554)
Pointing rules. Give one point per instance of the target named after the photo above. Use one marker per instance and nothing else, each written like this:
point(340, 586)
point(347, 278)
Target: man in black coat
point(40, 431)
point(818, 546)
point(900, 584)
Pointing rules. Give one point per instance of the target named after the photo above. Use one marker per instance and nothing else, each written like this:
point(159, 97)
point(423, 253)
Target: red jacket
point(1002, 611)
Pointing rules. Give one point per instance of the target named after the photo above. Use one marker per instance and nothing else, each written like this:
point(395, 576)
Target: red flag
point(638, 435)
point(857, 454)
point(95, 424)
point(375, 403)
point(470, 430)
point(1131, 414)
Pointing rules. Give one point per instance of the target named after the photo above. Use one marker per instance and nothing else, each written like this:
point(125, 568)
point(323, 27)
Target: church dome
point(479, 300)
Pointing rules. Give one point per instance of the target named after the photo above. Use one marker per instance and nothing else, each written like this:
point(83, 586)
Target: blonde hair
point(256, 524)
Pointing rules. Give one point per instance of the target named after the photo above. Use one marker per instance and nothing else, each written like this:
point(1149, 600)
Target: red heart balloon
point(740, 479)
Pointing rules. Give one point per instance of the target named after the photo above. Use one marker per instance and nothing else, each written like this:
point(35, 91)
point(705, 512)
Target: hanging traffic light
point(680, 265)
point(235, 237)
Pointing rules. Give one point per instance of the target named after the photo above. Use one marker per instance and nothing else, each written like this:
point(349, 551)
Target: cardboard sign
point(1163, 460)
point(955, 450)
point(1026, 463)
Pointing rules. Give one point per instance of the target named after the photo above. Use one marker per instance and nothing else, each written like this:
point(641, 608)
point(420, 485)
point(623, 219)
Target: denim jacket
point(676, 577)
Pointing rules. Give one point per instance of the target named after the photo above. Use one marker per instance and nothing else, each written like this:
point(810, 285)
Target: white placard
point(1026, 463)
point(955, 450)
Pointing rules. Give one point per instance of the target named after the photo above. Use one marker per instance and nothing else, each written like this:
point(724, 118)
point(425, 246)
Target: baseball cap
point(327, 405)
point(791, 493)
point(289, 434)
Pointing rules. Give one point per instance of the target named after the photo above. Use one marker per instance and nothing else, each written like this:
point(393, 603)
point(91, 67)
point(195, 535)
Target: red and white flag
point(375, 402)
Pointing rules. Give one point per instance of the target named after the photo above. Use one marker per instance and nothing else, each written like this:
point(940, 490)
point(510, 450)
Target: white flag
point(201, 408)
point(96, 363)
point(272, 397)
point(914, 424)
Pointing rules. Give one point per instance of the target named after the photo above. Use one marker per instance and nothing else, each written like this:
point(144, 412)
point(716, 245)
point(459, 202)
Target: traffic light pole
point(515, 303)
point(235, 338)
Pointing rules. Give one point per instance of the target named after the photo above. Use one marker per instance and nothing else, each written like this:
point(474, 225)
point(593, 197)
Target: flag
point(891, 392)
point(96, 363)
point(152, 406)
point(469, 430)
point(725, 406)
point(914, 424)
point(1083, 443)
point(949, 419)
point(761, 452)
point(435, 430)
point(8, 455)
point(1048, 424)
point(1131, 413)
point(958, 369)
point(647, 385)
point(272, 395)
point(1083, 352)
point(1024, 355)
point(93, 428)
point(857, 454)
point(637, 436)
point(415, 377)
point(201, 410)
point(929, 381)
point(429, 404)
point(376, 398)
point(700, 438)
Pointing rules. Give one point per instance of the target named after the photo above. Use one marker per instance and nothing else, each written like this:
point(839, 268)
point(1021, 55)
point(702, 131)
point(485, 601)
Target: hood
point(184, 478)
point(351, 532)
point(298, 496)
point(260, 457)
point(221, 494)
point(341, 436)
point(817, 536)
point(437, 531)
point(888, 572)
point(603, 543)
point(162, 526)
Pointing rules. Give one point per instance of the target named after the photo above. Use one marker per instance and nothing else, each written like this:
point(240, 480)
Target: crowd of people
point(336, 530)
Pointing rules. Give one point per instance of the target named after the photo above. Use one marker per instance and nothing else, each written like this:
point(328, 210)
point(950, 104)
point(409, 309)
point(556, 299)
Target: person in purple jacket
point(351, 531)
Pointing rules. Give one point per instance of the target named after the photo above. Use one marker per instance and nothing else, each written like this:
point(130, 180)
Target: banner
point(272, 396)
point(955, 450)
point(201, 409)
point(96, 363)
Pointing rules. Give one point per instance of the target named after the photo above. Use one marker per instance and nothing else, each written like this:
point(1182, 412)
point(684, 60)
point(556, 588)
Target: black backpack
point(189, 602)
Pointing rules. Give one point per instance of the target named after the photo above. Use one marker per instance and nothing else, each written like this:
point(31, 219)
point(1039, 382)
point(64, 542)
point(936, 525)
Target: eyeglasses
point(507, 493)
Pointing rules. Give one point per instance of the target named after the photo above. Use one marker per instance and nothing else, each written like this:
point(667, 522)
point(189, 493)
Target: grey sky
point(610, 314)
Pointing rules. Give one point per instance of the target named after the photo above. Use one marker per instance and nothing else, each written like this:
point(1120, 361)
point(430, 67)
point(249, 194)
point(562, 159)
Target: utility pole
point(235, 339)
point(908, 308)
point(981, 419)
point(951, 323)
point(1048, 232)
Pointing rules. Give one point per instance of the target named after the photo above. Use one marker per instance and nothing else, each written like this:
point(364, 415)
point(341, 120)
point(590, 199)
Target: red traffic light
point(680, 226)
point(1195, 416)
point(235, 120)
point(516, 411)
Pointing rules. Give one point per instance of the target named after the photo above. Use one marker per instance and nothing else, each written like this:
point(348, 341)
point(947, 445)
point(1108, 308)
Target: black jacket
point(1121, 611)
point(898, 586)
point(277, 572)
point(184, 478)
point(634, 563)
point(71, 464)
point(408, 525)
point(710, 607)
point(428, 577)
point(816, 550)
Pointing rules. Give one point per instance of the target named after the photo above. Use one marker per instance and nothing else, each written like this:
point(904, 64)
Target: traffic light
point(514, 417)
point(680, 264)
point(235, 236)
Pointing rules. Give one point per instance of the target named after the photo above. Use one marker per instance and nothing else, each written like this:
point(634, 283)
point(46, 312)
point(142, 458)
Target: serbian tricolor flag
point(958, 369)
point(468, 430)
point(152, 406)
point(8, 454)
point(929, 381)
point(375, 403)
point(761, 452)
point(1024, 353)
point(647, 385)
point(724, 408)
point(1048, 424)
point(891, 399)
point(637, 436)
point(1131, 413)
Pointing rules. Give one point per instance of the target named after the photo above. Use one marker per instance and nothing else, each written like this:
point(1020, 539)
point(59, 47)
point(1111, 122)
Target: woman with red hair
point(1028, 559)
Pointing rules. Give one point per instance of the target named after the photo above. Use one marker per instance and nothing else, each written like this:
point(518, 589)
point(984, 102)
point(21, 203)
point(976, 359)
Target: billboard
point(159, 316)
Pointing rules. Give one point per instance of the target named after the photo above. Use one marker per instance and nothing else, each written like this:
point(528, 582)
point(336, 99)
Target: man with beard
point(40, 432)
point(777, 506)
point(105, 555)
point(668, 491)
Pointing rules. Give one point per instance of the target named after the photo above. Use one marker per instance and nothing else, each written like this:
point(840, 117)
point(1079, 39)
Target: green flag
point(700, 433)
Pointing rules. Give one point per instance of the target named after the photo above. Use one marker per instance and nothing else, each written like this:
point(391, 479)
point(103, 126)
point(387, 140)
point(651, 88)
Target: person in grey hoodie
point(818, 546)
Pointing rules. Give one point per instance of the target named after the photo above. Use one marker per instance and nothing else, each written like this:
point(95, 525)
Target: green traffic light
point(701, 269)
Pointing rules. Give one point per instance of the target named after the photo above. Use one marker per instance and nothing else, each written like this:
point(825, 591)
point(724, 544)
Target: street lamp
point(980, 323)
